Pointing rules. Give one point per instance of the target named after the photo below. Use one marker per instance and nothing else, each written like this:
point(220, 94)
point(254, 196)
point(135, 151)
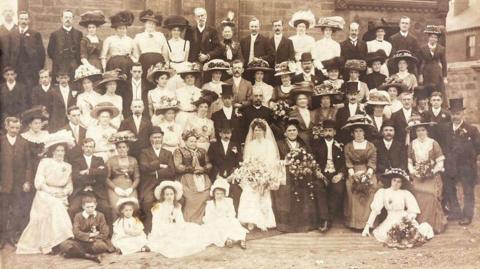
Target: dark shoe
point(145, 249)
point(465, 221)
point(454, 217)
point(243, 244)
point(94, 258)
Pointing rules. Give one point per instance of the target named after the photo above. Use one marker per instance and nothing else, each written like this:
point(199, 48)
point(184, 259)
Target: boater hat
point(336, 23)
point(177, 186)
point(104, 106)
point(130, 200)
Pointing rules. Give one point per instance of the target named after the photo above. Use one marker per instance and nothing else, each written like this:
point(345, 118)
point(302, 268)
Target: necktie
point(252, 51)
point(75, 131)
point(137, 124)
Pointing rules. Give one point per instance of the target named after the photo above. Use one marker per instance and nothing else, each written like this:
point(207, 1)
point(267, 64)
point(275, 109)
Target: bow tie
point(228, 41)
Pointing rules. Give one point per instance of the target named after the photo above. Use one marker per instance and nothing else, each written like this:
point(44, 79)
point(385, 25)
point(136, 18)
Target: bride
point(255, 208)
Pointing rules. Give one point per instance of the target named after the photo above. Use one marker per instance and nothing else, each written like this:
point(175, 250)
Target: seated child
point(90, 232)
point(128, 235)
point(171, 236)
point(220, 218)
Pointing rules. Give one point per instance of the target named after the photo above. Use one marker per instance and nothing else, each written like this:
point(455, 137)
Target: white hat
point(177, 186)
point(220, 183)
point(122, 201)
point(60, 137)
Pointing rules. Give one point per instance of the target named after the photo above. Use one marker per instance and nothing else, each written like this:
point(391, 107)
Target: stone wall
point(457, 45)
point(464, 81)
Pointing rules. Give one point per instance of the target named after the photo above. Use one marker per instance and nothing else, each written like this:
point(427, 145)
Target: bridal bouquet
point(281, 109)
point(405, 235)
point(424, 169)
point(362, 183)
point(301, 165)
point(256, 175)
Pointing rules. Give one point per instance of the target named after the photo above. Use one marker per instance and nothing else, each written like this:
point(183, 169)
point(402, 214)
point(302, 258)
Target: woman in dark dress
point(375, 61)
point(293, 205)
point(91, 44)
point(433, 63)
point(230, 49)
point(325, 96)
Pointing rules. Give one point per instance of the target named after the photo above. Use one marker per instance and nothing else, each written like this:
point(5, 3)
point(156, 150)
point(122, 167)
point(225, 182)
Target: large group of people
point(140, 144)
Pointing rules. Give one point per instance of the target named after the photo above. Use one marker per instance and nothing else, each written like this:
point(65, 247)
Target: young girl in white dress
point(128, 235)
point(171, 236)
point(220, 220)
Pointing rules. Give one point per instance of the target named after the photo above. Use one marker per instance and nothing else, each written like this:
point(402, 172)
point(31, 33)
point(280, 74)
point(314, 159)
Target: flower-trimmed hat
point(220, 183)
point(167, 103)
point(112, 75)
point(333, 63)
point(207, 97)
point(417, 121)
point(127, 200)
point(395, 83)
point(95, 17)
point(156, 71)
point(404, 55)
point(303, 16)
point(104, 106)
point(359, 121)
point(355, 64)
point(285, 68)
point(456, 104)
point(175, 21)
point(60, 137)
point(378, 55)
point(216, 65)
point(229, 20)
point(36, 112)
point(378, 98)
point(189, 133)
point(149, 15)
point(177, 186)
point(258, 65)
point(434, 30)
point(85, 71)
point(336, 23)
point(190, 69)
point(325, 89)
point(396, 172)
point(126, 136)
point(122, 18)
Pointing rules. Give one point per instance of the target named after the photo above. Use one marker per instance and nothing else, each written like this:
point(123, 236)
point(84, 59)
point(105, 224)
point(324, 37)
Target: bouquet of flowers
point(424, 169)
point(281, 109)
point(317, 131)
point(405, 235)
point(362, 183)
point(256, 175)
point(301, 165)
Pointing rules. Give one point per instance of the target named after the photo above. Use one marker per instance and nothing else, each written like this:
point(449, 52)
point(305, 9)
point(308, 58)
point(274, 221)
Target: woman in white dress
point(159, 76)
point(301, 21)
point(200, 122)
point(86, 76)
point(188, 94)
point(103, 130)
point(176, 49)
point(50, 223)
point(398, 202)
point(172, 131)
point(256, 71)
point(215, 71)
point(254, 208)
point(326, 48)
point(108, 88)
point(379, 43)
point(171, 236)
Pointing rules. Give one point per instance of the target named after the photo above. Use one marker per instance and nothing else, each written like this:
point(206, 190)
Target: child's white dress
point(128, 244)
point(221, 224)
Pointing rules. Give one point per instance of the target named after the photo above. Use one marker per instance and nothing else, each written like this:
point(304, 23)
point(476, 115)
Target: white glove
point(119, 191)
point(366, 231)
point(128, 191)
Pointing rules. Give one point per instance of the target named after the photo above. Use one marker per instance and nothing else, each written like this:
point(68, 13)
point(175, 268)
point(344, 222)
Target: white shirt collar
point(352, 108)
point(157, 151)
point(225, 144)
point(436, 111)
point(10, 86)
point(455, 127)
point(20, 30)
point(278, 36)
point(237, 80)
point(11, 140)
point(432, 47)
point(46, 88)
point(9, 26)
point(359, 145)
point(388, 144)
point(227, 110)
point(73, 126)
point(64, 88)
point(404, 34)
point(292, 144)
point(85, 214)
point(201, 29)
point(68, 29)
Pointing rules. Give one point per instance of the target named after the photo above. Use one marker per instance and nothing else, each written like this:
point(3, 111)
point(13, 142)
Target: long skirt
point(129, 245)
point(49, 225)
point(292, 215)
point(221, 230)
point(256, 208)
point(123, 62)
point(428, 193)
point(357, 207)
point(195, 201)
point(123, 183)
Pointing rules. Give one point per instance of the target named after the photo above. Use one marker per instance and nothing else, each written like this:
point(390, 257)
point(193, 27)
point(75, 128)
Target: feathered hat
point(122, 18)
point(85, 71)
point(336, 23)
point(303, 16)
point(149, 15)
point(126, 136)
point(95, 17)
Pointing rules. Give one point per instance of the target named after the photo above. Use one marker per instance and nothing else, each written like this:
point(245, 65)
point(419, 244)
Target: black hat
point(388, 123)
point(37, 112)
point(60, 72)
point(175, 21)
point(421, 93)
point(207, 97)
point(292, 121)
point(434, 29)
point(351, 87)
point(328, 123)
point(306, 57)
point(122, 18)
point(456, 104)
point(227, 90)
point(225, 126)
point(334, 63)
point(156, 130)
point(378, 55)
point(95, 17)
point(149, 15)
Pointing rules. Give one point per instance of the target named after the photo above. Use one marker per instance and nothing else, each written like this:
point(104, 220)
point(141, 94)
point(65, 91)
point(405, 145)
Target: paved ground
point(458, 247)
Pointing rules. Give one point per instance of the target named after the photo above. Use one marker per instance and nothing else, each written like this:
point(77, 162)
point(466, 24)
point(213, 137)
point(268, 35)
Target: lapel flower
point(170, 128)
point(27, 34)
point(204, 128)
point(235, 150)
point(443, 115)
point(64, 169)
point(74, 93)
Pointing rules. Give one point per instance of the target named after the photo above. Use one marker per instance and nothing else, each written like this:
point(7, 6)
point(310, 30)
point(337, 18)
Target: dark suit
point(4, 47)
point(262, 48)
point(97, 173)
point(329, 203)
point(317, 78)
point(304, 132)
point(242, 93)
point(64, 50)
point(341, 118)
point(127, 97)
point(57, 109)
point(249, 113)
point(76, 151)
point(400, 122)
point(41, 97)
point(13, 102)
point(395, 157)
point(284, 51)
point(152, 175)
point(444, 117)
point(224, 164)
point(430, 68)
point(143, 134)
point(349, 52)
point(374, 80)
point(219, 118)
point(16, 169)
point(404, 43)
point(27, 55)
point(234, 46)
point(461, 150)
point(206, 42)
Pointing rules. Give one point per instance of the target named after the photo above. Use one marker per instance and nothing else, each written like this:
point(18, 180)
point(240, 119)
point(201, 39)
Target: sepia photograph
point(247, 134)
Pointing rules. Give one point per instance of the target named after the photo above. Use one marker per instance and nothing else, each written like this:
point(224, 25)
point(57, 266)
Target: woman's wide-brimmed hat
point(378, 98)
point(303, 16)
point(395, 83)
point(336, 23)
point(207, 97)
point(285, 68)
point(122, 18)
point(220, 183)
point(378, 55)
point(380, 24)
point(150, 15)
point(158, 70)
point(325, 89)
point(334, 63)
point(456, 104)
point(104, 106)
point(36, 112)
point(175, 21)
point(85, 71)
point(355, 64)
point(60, 137)
point(166, 103)
point(125, 136)
point(189, 69)
point(434, 30)
point(189, 133)
point(404, 55)
point(112, 75)
point(359, 121)
point(304, 87)
point(177, 186)
point(258, 65)
point(130, 200)
point(216, 65)
point(396, 173)
point(418, 121)
point(95, 17)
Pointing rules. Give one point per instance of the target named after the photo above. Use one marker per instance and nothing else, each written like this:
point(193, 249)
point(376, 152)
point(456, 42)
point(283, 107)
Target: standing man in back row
point(204, 41)
point(256, 46)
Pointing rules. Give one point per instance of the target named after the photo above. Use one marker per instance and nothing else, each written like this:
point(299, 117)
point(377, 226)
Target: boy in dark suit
point(62, 97)
point(139, 125)
point(40, 92)
point(13, 95)
point(228, 114)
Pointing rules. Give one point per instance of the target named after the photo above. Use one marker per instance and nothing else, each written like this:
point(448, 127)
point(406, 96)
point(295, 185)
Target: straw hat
point(417, 121)
point(131, 200)
point(396, 173)
point(220, 183)
point(189, 69)
point(336, 23)
point(404, 55)
point(359, 121)
point(258, 65)
point(85, 71)
point(166, 103)
point(156, 71)
point(104, 106)
point(378, 98)
point(285, 68)
point(177, 186)
point(112, 75)
point(60, 137)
